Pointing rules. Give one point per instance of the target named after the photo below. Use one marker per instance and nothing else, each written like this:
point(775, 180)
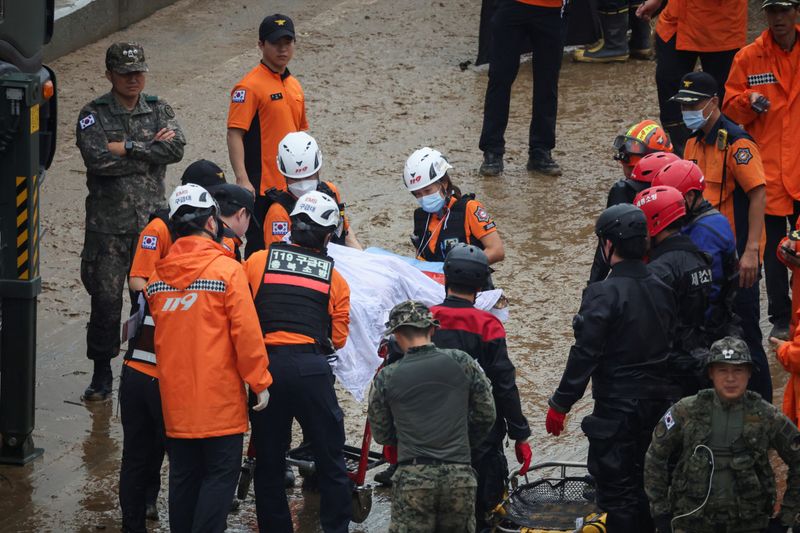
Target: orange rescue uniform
point(727, 154)
point(338, 305)
point(704, 25)
point(207, 338)
point(277, 224)
point(765, 68)
point(789, 357)
point(477, 223)
point(266, 105)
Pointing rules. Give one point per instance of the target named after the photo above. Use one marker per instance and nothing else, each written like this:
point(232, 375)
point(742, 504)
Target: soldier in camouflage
point(429, 409)
point(723, 481)
point(126, 138)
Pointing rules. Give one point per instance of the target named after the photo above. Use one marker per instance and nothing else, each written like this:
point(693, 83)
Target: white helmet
point(425, 166)
point(192, 195)
point(319, 207)
point(298, 155)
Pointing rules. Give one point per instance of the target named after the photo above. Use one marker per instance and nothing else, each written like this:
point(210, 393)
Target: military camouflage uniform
point(123, 191)
point(433, 405)
point(739, 433)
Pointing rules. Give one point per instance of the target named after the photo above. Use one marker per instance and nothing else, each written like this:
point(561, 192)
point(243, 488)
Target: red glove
point(524, 456)
point(390, 453)
point(555, 422)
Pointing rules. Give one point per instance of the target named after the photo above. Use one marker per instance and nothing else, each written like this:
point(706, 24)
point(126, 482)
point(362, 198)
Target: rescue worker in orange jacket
point(762, 95)
point(688, 30)
point(788, 353)
point(139, 397)
point(445, 217)
point(734, 178)
point(300, 160)
point(208, 345)
point(303, 306)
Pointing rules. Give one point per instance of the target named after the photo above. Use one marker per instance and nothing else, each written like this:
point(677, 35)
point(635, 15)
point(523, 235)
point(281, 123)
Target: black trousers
point(142, 446)
point(619, 433)
point(255, 232)
point(671, 65)
point(511, 24)
point(202, 480)
point(491, 469)
point(775, 273)
point(748, 307)
point(302, 388)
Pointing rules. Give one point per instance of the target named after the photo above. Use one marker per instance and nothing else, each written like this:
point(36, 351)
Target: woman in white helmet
point(445, 216)
point(299, 160)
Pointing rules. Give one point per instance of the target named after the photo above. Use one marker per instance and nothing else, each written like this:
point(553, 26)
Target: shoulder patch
point(481, 214)
point(87, 121)
point(276, 96)
point(238, 96)
point(669, 422)
point(169, 111)
point(490, 225)
point(280, 228)
point(149, 242)
point(743, 156)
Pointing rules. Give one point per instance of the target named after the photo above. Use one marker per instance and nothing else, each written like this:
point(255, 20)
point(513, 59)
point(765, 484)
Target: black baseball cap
point(695, 86)
point(235, 195)
point(204, 173)
point(274, 27)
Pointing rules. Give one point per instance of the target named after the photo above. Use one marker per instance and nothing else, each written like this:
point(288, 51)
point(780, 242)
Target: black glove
point(663, 523)
point(775, 526)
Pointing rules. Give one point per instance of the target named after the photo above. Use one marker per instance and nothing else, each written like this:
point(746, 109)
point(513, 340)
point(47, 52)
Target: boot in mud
point(613, 47)
point(640, 43)
point(100, 387)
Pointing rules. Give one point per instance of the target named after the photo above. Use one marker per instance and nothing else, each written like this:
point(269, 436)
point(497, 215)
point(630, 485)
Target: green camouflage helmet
point(123, 58)
point(729, 350)
point(410, 313)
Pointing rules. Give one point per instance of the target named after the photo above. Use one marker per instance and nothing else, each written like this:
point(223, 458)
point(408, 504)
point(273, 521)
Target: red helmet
point(649, 165)
point(683, 175)
point(662, 206)
point(639, 140)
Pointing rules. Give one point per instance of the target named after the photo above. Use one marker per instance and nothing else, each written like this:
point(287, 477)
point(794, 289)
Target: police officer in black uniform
point(303, 305)
point(679, 263)
point(622, 342)
point(482, 335)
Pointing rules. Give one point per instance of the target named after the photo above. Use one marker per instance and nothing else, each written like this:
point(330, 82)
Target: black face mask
point(217, 237)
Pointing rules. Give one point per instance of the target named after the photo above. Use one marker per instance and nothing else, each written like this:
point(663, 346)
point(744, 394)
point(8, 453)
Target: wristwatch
point(128, 146)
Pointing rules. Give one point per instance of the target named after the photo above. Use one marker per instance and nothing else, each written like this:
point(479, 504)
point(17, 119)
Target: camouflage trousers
point(105, 263)
point(427, 498)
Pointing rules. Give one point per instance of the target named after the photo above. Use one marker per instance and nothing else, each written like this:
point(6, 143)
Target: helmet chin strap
point(220, 231)
point(606, 258)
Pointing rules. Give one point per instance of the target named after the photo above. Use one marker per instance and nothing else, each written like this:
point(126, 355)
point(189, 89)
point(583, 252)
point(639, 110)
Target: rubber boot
point(640, 43)
point(100, 387)
point(614, 46)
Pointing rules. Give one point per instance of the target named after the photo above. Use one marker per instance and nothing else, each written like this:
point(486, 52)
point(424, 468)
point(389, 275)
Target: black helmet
point(621, 222)
point(467, 265)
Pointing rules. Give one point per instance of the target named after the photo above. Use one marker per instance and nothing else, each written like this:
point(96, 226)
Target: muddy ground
point(381, 79)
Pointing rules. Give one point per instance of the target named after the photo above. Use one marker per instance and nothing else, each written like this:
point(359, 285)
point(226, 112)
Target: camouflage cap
point(410, 313)
point(123, 58)
point(729, 350)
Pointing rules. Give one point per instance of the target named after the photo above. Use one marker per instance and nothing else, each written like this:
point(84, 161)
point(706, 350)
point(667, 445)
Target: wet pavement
point(380, 81)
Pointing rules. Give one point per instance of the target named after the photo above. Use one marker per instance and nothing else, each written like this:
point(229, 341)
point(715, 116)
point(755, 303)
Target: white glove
point(263, 400)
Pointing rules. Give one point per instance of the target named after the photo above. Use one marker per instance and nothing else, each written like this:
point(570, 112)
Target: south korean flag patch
point(280, 228)
point(86, 121)
point(149, 242)
point(238, 96)
point(668, 420)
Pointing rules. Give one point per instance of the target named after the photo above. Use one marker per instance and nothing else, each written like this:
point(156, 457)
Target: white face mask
point(300, 187)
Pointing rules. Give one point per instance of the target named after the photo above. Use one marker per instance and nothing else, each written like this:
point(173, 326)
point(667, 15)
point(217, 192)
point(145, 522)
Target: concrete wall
point(80, 22)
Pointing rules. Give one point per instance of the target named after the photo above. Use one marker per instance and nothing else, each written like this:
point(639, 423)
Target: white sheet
point(378, 282)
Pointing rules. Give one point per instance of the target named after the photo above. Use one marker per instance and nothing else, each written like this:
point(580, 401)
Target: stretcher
point(555, 503)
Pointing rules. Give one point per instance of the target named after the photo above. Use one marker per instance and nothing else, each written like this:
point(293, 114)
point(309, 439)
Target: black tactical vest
point(450, 235)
